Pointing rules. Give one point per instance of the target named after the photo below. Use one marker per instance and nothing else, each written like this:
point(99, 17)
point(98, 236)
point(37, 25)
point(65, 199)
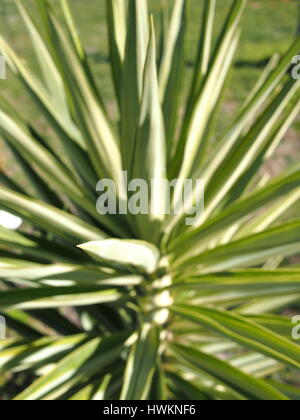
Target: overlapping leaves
point(216, 284)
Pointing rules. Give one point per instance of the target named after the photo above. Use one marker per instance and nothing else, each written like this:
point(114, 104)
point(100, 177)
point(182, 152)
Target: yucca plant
point(146, 307)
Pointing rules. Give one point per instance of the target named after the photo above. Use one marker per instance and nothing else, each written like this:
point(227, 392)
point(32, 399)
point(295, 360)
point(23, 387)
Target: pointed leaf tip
point(124, 255)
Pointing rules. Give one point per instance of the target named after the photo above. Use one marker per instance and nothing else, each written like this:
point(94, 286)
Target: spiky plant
point(148, 307)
